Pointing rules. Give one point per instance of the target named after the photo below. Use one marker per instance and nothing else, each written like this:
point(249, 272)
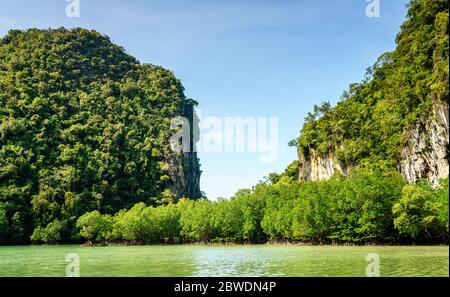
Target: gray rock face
point(185, 175)
point(186, 171)
point(426, 150)
point(424, 156)
point(318, 167)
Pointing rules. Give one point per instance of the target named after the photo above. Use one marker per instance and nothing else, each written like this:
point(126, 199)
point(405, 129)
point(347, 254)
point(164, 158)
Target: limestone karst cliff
point(85, 126)
point(424, 155)
point(397, 117)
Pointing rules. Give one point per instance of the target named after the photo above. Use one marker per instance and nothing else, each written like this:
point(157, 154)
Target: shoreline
point(269, 243)
point(212, 244)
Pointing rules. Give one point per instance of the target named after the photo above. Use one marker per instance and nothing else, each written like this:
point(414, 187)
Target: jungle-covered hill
point(84, 126)
point(396, 118)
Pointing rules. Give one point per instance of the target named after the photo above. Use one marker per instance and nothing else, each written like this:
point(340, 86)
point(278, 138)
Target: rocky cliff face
point(318, 167)
point(397, 117)
point(186, 173)
point(424, 156)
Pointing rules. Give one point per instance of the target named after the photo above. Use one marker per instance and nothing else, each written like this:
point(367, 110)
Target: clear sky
point(258, 58)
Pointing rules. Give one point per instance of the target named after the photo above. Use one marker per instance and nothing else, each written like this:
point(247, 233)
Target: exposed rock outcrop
point(425, 155)
point(185, 171)
point(318, 167)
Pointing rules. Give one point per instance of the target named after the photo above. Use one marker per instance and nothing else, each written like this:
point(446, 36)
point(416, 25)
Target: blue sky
point(238, 58)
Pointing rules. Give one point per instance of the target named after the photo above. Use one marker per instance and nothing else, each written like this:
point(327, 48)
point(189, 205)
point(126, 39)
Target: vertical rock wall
point(425, 155)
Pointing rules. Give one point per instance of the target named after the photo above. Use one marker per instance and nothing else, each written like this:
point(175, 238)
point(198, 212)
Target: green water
point(233, 260)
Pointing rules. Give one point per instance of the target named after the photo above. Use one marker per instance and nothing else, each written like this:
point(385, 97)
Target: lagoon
point(224, 260)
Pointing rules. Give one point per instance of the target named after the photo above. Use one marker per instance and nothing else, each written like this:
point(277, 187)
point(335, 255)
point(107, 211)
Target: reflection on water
point(221, 260)
point(226, 261)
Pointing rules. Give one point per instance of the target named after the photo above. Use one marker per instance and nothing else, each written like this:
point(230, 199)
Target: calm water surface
point(233, 260)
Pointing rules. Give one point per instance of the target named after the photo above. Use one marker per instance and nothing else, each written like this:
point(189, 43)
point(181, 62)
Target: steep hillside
point(84, 126)
point(397, 117)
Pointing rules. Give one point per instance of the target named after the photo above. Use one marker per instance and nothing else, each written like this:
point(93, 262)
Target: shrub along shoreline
point(364, 208)
point(90, 243)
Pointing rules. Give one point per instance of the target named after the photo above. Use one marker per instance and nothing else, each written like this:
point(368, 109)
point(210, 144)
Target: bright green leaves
point(94, 226)
point(50, 234)
point(422, 211)
point(364, 208)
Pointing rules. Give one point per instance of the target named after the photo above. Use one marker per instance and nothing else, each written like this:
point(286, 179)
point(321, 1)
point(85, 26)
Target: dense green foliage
point(423, 212)
point(363, 208)
point(367, 127)
point(83, 126)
